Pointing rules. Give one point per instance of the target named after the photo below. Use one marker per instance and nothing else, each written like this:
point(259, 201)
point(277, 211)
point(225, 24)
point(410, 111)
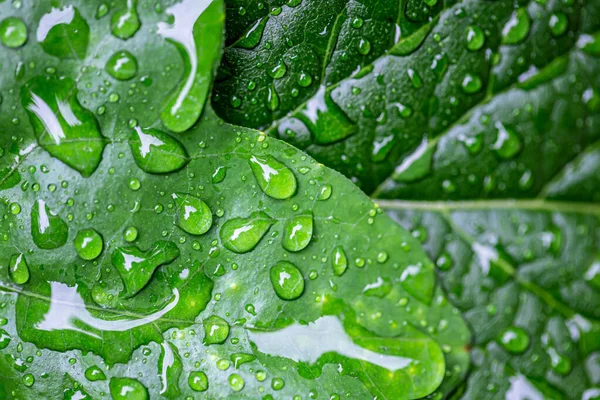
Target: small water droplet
point(94, 373)
point(278, 71)
point(471, 83)
point(558, 24)
point(89, 244)
point(198, 381)
point(364, 46)
point(219, 175)
point(122, 65)
point(339, 261)
point(324, 192)
point(508, 142)
point(236, 382)
point(18, 269)
point(514, 339)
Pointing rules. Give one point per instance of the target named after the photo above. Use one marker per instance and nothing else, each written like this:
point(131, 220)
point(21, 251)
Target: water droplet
point(127, 389)
point(216, 330)
point(194, 215)
point(198, 381)
point(236, 382)
point(94, 373)
point(517, 28)
point(364, 46)
point(418, 281)
point(339, 261)
point(251, 38)
point(47, 229)
point(475, 38)
point(558, 24)
point(101, 11)
point(18, 269)
point(415, 78)
point(4, 339)
point(122, 65)
point(62, 126)
point(241, 358)
point(514, 339)
point(64, 33)
point(508, 142)
point(473, 144)
point(324, 192)
point(298, 232)
point(13, 32)
point(277, 383)
point(156, 152)
point(304, 79)
point(273, 177)
point(416, 165)
point(196, 31)
point(592, 275)
point(560, 364)
point(136, 267)
point(272, 98)
point(219, 175)
point(357, 23)
point(382, 257)
point(444, 262)
point(241, 235)
point(28, 380)
point(278, 71)
point(439, 66)
point(471, 83)
point(287, 280)
point(590, 44)
point(130, 234)
point(125, 23)
point(170, 368)
point(88, 244)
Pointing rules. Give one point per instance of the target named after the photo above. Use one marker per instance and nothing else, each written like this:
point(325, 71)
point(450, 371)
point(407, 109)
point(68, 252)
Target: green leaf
point(140, 261)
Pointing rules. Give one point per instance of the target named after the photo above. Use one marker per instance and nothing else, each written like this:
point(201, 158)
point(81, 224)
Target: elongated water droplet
point(156, 152)
point(592, 275)
point(196, 32)
point(47, 229)
point(241, 235)
point(590, 44)
point(419, 282)
point(198, 381)
point(273, 177)
point(62, 126)
point(272, 98)
point(517, 28)
point(339, 261)
point(13, 32)
point(194, 215)
point(380, 288)
point(127, 389)
point(241, 358)
point(416, 165)
point(122, 65)
point(170, 368)
point(219, 175)
point(508, 142)
point(287, 280)
point(278, 71)
point(216, 330)
point(439, 66)
point(324, 192)
point(18, 269)
point(298, 232)
point(136, 267)
point(126, 22)
point(88, 244)
point(514, 339)
point(4, 339)
point(253, 35)
point(560, 364)
point(64, 33)
point(364, 46)
point(558, 24)
point(94, 373)
point(415, 78)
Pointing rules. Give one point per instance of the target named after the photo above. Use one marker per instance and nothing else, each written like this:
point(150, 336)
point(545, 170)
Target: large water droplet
point(4, 339)
point(475, 38)
point(136, 267)
point(64, 33)
point(88, 244)
point(298, 232)
point(219, 175)
point(287, 280)
point(196, 32)
point(558, 24)
point(241, 235)
point(253, 35)
point(48, 230)
point(241, 358)
point(272, 98)
point(13, 32)
point(156, 152)
point(94, 373)
point(590, 44)
point(508, 142)
point(126, 22)
point(170, 368)
point(273, 177)
point(198, 381)
point(194, 215)
point(517, 28)
point(127, 389)
point(419, 282)
point(18, 269)
point(62, 126)
point(122, 65)
point(471, 83)
point(514, 339)
point(216, 330)
point(278, 71)
point(236, 382)
point(416, 165)
point(339, 261)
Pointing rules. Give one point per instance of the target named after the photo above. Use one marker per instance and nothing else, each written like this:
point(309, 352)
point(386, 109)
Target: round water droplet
point(18, 269)
point(94, 373)
point(194, 215)
point(339, 261)
point(287, 280)
point(382, 257)
point(273, 177)
point(130, 234)
point(298, 232)
point(471, 84)
point(28, 380)
point(122, 65)
point(304, 79)
point(241, 235)
point(508, 142)
point(444, 262)
point(324, 192)
point(88, 244)
point(236, 382)
point(364, 46)
point(13, 32)
point(277, 383)
point(514, 339)
point(216, 330)
point(517, 28)
point(278, 71)
point(558, 24)
point(127, 389)
point(198, 381)
point(64, 33)
point(357, 22)
point(475, 38)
